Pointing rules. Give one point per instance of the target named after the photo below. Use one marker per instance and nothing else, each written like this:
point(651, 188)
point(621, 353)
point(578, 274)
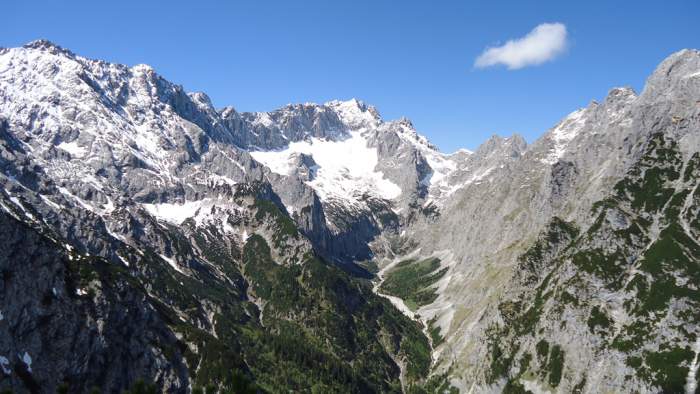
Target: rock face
point(84, 334)
point(567, 173)
point(148, 236)
point(623, 295)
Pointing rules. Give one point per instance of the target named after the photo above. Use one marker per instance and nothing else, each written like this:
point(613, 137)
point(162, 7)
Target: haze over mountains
point(148, 236)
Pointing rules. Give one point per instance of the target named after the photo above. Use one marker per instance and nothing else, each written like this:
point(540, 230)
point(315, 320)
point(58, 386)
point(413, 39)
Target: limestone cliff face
point(565, 176)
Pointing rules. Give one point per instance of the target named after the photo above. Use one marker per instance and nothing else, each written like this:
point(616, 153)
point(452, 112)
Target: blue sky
point(409, 58)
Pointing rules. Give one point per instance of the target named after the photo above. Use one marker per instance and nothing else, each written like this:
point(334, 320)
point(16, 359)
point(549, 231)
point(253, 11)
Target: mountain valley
point(151, 240)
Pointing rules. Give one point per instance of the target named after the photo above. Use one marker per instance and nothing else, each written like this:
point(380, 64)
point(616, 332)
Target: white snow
point(404, 129)
point(221, 179)
point(50, 202)
point(344, 170)
point(563, 133)
point(141, 68)
point(73, 148)
point(79, 200)
point(263, 118)
point(125, 261)
point(108, 207)
point(442, 167)
point(172, 263)
point(146, 139)
point(174, 213)
point(9, 211)
point(29, 76)
point(214, 211)
point(351, 113)
point(228, 229)
point(27, 360)
point(19, 204)
point(447, 189)
point(5, 364)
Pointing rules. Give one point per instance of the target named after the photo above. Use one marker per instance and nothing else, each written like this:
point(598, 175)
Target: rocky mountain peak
point(512, 146)
point(142, 69)
point(355, 113)
point(201, 98)
point(404, 121)
point(679, 64)
point(676, 78)
point(47, 45)
point(404, 127)
point(620, 94)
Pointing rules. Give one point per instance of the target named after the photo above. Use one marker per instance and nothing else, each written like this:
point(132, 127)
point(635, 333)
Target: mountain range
point(151, 241)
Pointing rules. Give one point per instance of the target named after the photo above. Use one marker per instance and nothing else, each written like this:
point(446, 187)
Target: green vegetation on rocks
point(412, 281)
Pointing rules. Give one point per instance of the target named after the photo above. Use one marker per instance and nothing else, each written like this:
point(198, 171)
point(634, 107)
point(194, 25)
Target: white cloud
point(543, 43)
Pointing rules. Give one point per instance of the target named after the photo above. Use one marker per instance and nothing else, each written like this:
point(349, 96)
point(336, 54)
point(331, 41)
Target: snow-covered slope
point(346, 165)
point(344, 169)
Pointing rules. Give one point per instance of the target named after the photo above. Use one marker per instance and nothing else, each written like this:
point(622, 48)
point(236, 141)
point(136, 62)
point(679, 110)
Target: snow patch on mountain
point(563, 133)
point(73, 148)
point(441, 167)
point(355, 113)
point(172, 263)
point(174, 213)
point(263, 118)
point(201, 211)
point(345, 168)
